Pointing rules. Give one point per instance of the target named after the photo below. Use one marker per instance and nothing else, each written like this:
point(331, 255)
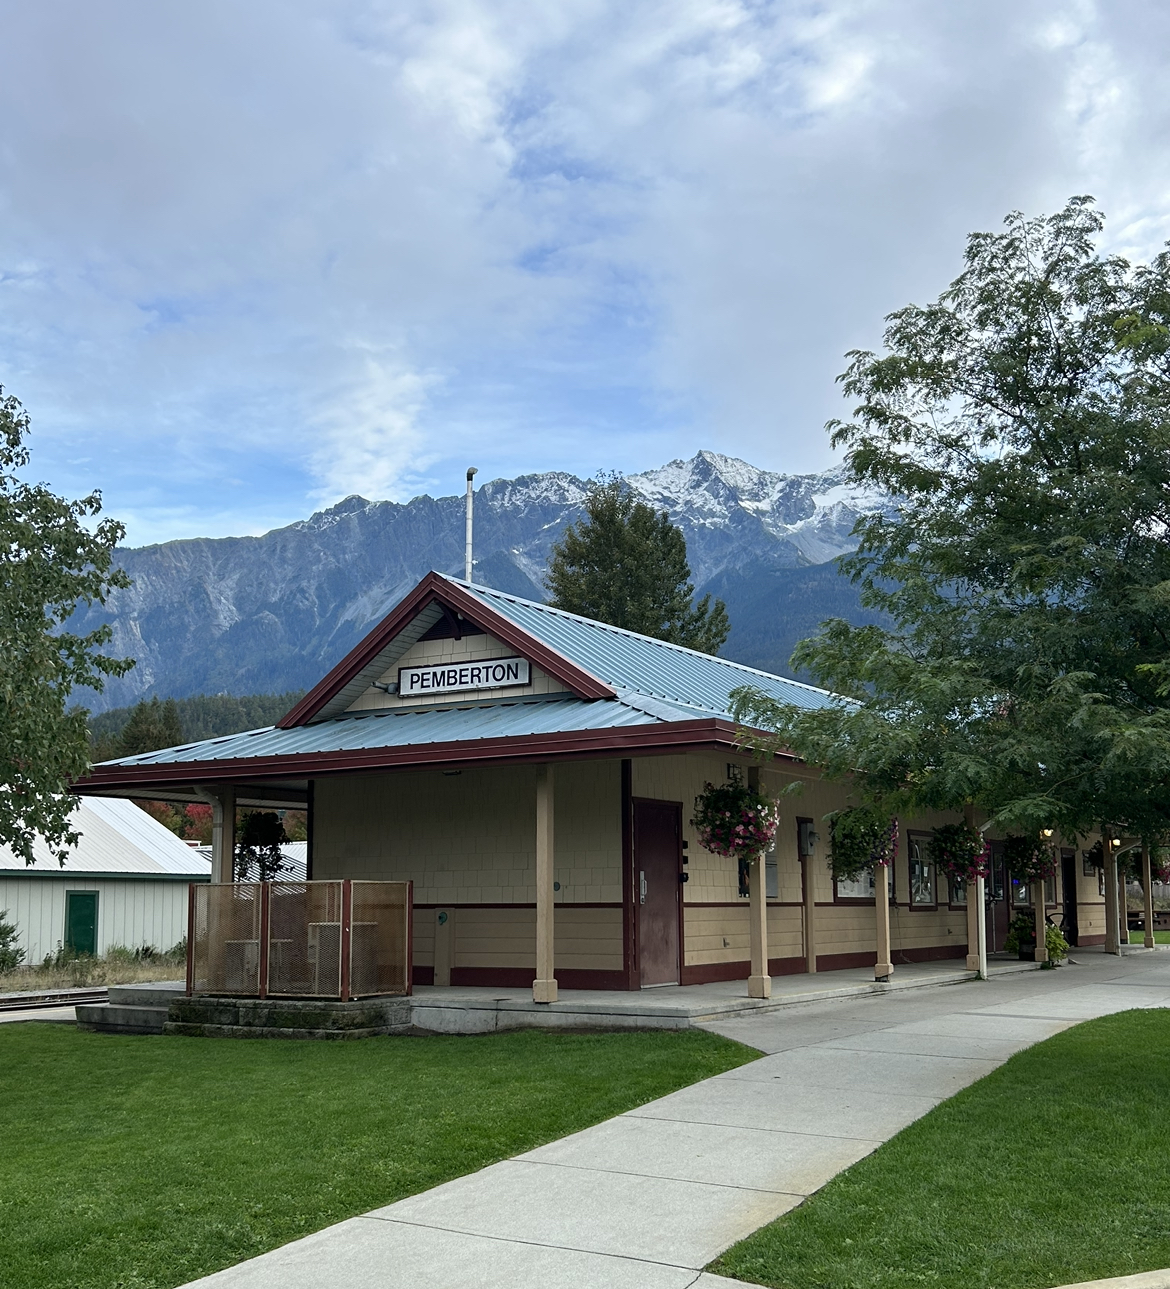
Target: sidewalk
point(647, 1199)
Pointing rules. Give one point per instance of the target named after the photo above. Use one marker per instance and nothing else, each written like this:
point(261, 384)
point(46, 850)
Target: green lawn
point(1139, 937)
point(1052, 1170)
point(130, 1162)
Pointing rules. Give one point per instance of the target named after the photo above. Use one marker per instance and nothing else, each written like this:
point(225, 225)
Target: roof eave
point(637, 740)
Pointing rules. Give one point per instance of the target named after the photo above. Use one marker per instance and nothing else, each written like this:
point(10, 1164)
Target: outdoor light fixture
point(1046, 833)
point(389, 688)
point(1115, 842)
point(450, 774)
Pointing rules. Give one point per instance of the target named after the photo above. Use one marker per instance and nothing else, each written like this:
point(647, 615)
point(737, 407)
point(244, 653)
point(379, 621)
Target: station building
point(533, 773)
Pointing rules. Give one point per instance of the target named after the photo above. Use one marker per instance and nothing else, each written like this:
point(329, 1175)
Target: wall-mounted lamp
point(391, 687)
point(450, 774)
point(1115, 842)
point(1046, 833)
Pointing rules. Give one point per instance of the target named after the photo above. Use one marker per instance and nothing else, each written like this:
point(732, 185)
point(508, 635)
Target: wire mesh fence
point(338, 939)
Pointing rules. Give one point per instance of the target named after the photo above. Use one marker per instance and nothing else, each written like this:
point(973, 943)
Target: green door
point(81, 921)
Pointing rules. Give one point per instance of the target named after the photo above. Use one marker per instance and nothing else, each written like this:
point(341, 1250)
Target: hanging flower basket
point(735, 821)
point(860, 839)
point(1028, 858)
point(961, 851)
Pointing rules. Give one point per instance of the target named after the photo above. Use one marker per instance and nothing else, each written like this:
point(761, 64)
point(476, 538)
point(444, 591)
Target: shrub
point(11, 955)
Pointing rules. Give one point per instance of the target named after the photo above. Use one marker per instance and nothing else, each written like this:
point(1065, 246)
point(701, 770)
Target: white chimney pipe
point(471, 473)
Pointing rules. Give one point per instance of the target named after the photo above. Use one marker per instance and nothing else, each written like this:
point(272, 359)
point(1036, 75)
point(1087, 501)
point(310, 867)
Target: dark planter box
point(1028, 953)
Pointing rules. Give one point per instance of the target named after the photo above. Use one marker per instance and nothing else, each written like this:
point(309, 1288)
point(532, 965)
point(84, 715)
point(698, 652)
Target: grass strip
point(133, 1162)
point(1053, 1169)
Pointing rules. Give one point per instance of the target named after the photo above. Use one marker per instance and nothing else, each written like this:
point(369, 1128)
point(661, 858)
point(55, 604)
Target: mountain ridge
point(273, 612)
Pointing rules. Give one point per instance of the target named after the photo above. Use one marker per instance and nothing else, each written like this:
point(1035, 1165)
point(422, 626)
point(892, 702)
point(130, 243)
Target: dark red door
point(657, 886)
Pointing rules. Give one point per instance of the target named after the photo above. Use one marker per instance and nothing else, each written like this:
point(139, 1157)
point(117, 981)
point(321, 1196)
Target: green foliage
point(625, 563)
point(152, 725)
point(1021, 933)
point(131, 1162)
point(988, 1189)
point(52, 559)
point(1028, 858)
point(1056, 944)
point(959, 849)
point(260, 835)
point(198, 717)
point(734, 820)
point(11, 954)
point(1022, 421)
point(859, 839)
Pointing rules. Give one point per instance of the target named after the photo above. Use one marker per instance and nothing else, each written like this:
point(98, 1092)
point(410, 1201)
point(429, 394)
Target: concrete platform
point(131, 1009)
point(459, 1010)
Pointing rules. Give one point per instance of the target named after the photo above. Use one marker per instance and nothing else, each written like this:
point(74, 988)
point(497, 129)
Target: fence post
point(346, 920)
point(190, 938)
point(265, 892)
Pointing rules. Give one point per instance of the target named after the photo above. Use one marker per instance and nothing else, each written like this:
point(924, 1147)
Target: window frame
point(920, 840)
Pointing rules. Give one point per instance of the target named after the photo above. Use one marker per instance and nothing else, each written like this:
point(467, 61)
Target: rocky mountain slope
point(257, 614)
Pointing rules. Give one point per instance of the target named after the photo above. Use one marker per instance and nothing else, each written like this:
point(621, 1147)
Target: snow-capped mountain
point(255, 614)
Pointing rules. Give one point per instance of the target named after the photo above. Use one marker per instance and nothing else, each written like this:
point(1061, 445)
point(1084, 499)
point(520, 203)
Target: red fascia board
point(433, 587)
point(676, 736)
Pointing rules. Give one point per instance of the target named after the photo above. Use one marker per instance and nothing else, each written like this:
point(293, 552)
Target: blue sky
point(256, 257)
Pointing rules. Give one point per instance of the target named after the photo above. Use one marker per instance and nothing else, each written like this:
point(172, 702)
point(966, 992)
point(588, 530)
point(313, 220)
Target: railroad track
point(51, 998)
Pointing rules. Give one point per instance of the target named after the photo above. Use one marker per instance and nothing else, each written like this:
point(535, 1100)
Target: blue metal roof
point(408, 727)
point(640, 663)
point(655, 683)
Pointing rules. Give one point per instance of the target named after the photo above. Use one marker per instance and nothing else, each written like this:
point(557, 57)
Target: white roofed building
point(124, 883)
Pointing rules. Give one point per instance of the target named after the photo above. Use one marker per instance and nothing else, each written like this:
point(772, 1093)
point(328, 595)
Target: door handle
point(642, 880)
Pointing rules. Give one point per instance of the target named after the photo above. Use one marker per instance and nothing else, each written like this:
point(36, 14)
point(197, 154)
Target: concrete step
point(157, 993)
point(116, 1018)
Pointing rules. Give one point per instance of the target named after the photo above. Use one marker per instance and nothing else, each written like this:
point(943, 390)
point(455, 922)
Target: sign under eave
point(464, 677)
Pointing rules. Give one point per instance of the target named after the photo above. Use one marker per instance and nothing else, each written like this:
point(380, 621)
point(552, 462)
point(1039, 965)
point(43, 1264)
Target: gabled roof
point(624, 693)
point(116, 838)
point(592, 659)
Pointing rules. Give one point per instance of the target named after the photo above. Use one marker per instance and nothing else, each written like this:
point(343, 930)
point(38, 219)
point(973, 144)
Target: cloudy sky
point(256, 257)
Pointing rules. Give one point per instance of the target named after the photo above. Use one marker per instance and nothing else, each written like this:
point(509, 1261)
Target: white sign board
point(452, 677)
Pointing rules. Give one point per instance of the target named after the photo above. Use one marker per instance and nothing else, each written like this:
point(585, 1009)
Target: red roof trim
point(433, 587)
point(676, 736)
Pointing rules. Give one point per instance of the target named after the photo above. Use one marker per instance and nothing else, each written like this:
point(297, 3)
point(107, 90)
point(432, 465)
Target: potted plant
point(1021, 937)
point(860, 839)
point(1028, 858)
point(735, 820)
point(960, 851)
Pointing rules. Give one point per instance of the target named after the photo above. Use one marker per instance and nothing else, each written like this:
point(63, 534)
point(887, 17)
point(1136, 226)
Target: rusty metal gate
point(341, 939)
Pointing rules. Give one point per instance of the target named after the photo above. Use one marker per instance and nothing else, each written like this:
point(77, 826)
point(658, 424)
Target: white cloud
point(254, 257)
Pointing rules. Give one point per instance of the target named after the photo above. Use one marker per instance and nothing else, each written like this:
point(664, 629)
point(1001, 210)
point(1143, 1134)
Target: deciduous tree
point(53, 558)
point(1022, 421)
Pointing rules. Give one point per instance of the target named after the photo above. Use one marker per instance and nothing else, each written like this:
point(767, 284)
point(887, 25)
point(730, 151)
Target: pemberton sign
point(450, 677)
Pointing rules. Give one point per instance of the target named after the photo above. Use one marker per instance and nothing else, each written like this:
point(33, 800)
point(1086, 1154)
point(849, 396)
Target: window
point(861, 889)
point(1050, 889)
point(922, 885)
point(958, 894)
point(1021, 892)
point(771, 875)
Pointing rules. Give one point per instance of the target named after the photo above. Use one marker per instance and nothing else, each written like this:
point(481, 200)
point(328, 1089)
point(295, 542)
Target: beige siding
point(431, 653)
point(471, 838)
point(586, 939)
point(130, 913)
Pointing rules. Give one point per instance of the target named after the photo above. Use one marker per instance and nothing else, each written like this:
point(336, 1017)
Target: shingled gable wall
point(471, 648)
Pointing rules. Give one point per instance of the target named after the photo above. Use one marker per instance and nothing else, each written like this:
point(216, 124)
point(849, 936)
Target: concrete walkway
point(645, 1200)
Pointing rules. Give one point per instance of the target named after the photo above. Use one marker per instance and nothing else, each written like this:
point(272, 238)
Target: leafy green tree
point(260, 834)
point(152, 725)
point(625, 563)
point(1022, 422)
point(52, 559)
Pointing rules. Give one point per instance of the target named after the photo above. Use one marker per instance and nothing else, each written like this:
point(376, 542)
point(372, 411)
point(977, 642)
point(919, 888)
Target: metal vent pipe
point(471, 473)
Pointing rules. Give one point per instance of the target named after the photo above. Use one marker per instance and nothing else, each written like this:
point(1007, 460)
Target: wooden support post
point(1041, 929)
point(759, 982)
point(1109, 858)
point(972, 907)
point(544, 987)
point(883, 968)
point(223, 834)
point(981, 915)
point(1148, 890)
point(191, 898)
